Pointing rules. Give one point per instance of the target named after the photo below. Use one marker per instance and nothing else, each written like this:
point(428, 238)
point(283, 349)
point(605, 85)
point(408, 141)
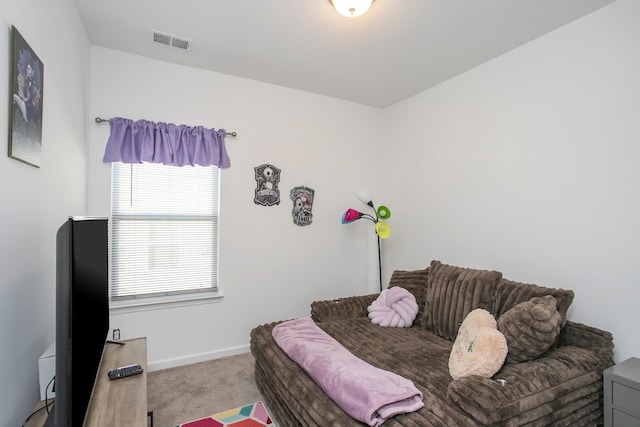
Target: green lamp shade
point(383, 212)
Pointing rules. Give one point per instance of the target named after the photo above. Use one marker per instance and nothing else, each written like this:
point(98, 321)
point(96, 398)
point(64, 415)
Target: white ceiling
point(396, 50)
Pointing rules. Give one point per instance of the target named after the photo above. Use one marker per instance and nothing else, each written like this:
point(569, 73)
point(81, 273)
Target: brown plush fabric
point(531, 328)
point(453, 293)
point(564, 387)
point(416, 282)
point(296, 400)
point(536, 390)
point(341, 308)
point(561, 388)
point(512, 293)
point(583, 336)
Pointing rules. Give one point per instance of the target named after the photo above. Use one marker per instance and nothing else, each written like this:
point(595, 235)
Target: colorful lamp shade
point(364, 197)
point(383, 229)
point(382, 212)
point(350, 215)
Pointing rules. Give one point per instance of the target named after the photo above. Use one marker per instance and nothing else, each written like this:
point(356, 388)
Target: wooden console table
point(122, 402)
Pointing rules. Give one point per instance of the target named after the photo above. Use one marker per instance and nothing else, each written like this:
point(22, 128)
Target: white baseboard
point(195, 358)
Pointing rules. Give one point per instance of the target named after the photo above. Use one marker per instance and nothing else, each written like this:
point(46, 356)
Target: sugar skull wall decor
point(267, 178)
point(302, 198)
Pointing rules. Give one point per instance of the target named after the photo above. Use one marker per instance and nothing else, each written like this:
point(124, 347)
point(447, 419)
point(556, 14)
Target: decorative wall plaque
point(267, 178)
point(302, 198)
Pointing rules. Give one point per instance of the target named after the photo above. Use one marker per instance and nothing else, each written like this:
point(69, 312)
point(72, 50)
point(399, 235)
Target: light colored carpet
point(186, 393)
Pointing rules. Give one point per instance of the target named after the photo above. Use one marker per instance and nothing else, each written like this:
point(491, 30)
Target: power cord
point(46, 395)
point(47, 405)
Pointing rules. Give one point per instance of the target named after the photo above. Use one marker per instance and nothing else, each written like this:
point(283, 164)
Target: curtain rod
point(101, 120)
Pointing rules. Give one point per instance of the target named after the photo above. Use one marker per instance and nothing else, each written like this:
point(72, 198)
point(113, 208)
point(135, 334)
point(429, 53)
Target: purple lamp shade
point(350, 215)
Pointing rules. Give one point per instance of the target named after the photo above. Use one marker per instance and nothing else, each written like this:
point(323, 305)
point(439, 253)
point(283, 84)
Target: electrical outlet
point(116, 334)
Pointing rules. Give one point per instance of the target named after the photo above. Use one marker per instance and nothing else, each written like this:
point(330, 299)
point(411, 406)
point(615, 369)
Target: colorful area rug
point(254, 415)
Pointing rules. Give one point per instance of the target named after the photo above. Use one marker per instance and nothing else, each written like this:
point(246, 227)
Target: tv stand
point(122, 402)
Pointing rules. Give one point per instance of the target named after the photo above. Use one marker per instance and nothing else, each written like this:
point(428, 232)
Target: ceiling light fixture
point(351, 8)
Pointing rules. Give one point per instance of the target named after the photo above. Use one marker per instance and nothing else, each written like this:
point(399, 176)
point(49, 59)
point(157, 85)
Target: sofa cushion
point(545, 391)
point(531, 328)
point(416, 282)
point(453, 293)
point(512, 293)
point(480, 349)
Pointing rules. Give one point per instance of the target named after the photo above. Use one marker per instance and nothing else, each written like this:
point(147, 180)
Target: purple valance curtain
point(166, 143)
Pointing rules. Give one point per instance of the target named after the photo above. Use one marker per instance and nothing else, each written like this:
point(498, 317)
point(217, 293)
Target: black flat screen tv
point(82, 316)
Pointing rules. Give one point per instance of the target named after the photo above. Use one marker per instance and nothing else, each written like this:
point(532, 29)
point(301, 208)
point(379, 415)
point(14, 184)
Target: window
point(164, 230)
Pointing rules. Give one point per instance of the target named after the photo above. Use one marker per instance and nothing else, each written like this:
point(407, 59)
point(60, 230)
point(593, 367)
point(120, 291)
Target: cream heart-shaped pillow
point(479, 349)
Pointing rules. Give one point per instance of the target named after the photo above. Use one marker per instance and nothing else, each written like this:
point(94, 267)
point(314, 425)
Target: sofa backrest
point(453, 292)
point(510, 293)
point(446, 294)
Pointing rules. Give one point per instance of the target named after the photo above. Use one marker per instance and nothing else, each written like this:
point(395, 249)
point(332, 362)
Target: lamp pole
point(381, 228)
point(375, 221)
point(379, 262)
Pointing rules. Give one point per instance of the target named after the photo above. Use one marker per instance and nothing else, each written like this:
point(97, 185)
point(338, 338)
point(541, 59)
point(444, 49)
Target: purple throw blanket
point(366, 393)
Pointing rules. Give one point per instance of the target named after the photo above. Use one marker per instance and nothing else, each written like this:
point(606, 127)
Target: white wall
point(528, 164)
point(36, 201)
point(271, 269)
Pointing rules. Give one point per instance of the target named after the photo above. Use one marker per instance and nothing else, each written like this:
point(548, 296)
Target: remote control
point(125, 371)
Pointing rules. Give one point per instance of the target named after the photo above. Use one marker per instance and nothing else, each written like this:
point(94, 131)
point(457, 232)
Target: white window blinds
point(164, 230)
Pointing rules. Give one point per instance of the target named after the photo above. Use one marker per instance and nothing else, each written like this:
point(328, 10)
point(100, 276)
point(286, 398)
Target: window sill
point(164, 302)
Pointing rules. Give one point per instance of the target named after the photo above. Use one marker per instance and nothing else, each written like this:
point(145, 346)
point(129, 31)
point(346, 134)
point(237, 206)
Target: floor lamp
point(381, 227)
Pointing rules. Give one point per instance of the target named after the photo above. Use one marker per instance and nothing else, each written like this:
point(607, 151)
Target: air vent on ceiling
point(171, 40)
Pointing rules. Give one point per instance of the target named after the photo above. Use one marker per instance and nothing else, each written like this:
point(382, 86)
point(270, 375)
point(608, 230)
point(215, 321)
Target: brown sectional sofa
point(561, 387)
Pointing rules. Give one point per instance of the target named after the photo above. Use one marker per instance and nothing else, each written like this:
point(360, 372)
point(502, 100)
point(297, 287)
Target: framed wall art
point(25, 121)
